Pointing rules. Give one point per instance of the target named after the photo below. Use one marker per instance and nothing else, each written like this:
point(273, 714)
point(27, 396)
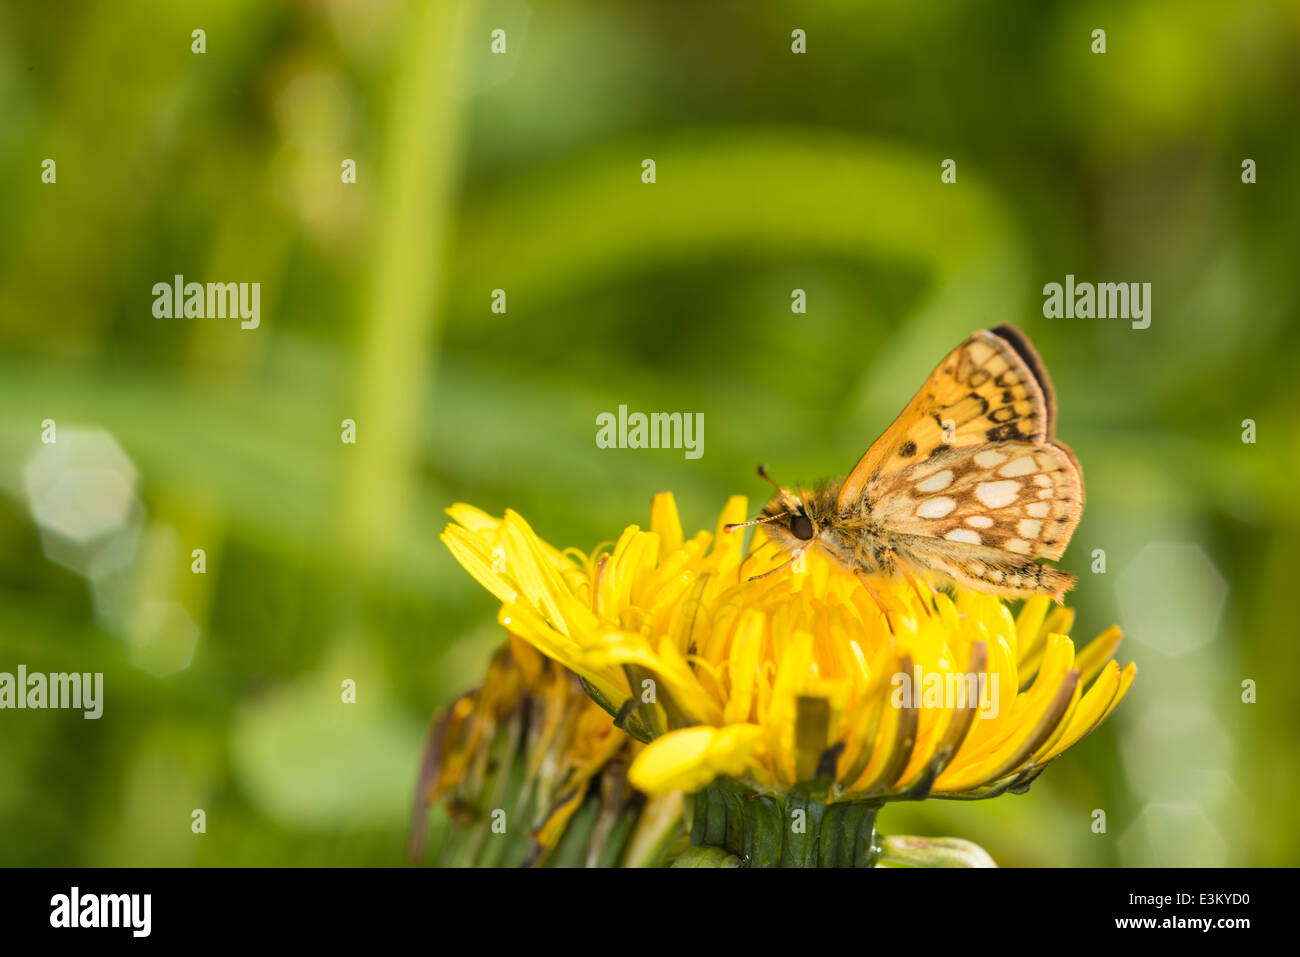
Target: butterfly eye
point(801, 527)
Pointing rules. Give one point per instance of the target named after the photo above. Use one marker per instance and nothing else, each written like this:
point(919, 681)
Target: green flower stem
point(733, 822)
point(801, 830)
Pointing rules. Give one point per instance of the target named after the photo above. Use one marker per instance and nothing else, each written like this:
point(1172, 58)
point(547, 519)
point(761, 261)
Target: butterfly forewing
point(983, 392)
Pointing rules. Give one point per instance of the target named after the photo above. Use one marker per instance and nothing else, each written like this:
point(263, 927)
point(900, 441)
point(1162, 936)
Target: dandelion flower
point(796, 689)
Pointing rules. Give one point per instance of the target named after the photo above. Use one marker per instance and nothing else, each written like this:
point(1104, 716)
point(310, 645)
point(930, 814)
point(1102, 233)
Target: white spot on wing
point(935, 507)
point(1038, 509)
point(1018, 546)
point(936, 482)
point(963, 535)
point(979, 521)
point(989, 459)
point(1029, 527)
point(1025, 465)
point(997, 494)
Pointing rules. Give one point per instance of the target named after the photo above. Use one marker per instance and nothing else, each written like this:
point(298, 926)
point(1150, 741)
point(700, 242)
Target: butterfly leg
point(880, 602)
point(753, 553)
point(897, 565)
point(924, 590)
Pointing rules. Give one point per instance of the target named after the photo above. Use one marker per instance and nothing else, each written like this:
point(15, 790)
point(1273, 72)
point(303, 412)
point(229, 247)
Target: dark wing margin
point(1029, 355)
point(1025, 349)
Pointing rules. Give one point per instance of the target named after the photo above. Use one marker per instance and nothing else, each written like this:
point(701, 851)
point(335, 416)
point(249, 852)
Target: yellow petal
point(689, 759)
point(665, 523)
point(1094, 657)
point(476, 559)
point(474, 520)
point(743, 666)
point(727, 546)
point(1029, 626)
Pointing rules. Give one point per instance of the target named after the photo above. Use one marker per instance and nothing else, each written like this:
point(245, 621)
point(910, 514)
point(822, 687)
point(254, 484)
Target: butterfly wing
point(991, 388)
point(1015, 496)
point(984, 568)
point(969, 480)
point(981, 516)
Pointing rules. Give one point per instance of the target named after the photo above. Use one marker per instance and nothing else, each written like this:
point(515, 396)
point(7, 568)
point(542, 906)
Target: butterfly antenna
point(762, 473)
point(732, 526)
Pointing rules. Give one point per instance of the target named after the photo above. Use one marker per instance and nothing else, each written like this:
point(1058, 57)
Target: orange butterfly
point(968, 484)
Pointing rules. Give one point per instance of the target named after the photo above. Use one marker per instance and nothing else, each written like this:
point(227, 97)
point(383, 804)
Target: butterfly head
point(790, 519)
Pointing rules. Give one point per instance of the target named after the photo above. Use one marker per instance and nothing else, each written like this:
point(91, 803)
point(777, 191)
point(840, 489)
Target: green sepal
point(762, 847)
point(633, 719)
point(594, 694)
point(801, 848)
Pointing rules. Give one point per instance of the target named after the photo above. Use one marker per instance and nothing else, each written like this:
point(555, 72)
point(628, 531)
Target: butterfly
point(969, 484)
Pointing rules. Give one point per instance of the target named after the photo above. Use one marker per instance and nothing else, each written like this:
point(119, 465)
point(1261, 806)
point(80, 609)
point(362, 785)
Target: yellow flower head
point(798, 675)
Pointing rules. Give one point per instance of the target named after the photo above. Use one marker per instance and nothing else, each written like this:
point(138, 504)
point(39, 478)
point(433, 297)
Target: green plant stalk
point(799, 830)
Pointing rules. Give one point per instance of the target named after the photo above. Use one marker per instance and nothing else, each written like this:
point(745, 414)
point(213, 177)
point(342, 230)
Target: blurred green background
point(522, 172)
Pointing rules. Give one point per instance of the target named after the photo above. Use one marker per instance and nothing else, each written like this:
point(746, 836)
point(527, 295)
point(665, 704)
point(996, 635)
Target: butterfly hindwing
point(984, 568)
point(1018, 497)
